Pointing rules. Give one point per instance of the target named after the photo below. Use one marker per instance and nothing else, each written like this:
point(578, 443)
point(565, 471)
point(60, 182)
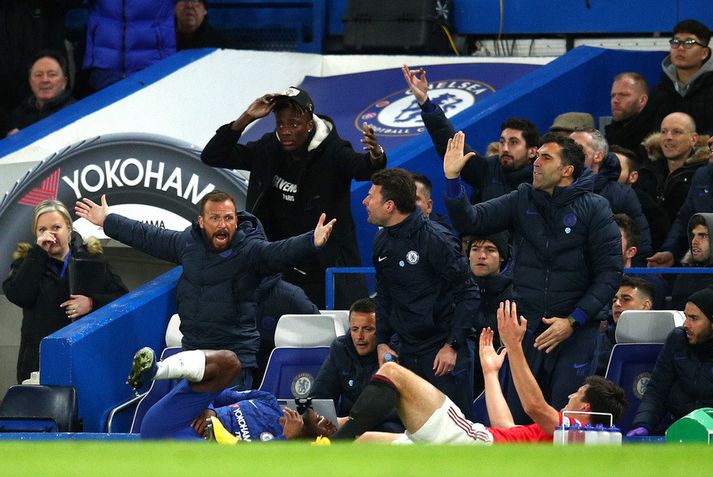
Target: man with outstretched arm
point(429, 416)
point(225, 256)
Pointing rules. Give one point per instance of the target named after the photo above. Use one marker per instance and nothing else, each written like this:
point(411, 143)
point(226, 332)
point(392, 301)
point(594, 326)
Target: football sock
point(188, 365)
point(374, 405)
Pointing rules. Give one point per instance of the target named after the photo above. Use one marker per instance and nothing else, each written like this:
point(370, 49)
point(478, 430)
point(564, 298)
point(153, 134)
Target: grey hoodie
point(682, 88)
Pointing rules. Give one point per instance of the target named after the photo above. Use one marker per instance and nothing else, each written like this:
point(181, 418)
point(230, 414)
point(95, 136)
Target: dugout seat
point(647, 326)
point(301, 346)
point(341, 320)
point(157, 390)
point(630, 366)
point(38, 408)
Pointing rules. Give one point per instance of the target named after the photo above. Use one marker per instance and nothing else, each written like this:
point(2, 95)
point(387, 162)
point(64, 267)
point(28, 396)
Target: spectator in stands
point(490, 176)
point(126, 37)
point(566, 123)
point(682, 379)
point(431, 417)
point(49, 83)
point(567, 258)
point(630, 237)
point(27, 28)
point(38, 281)
point(622, 199)
point(424, 290)
point(698, 255)
point(632, 120)
point(296, 172)
point(655, 215)
point(192, 28)
point(351, 363)
point(424, 201)
point(200, 406)
point(698, 200)
point(276, 297)
point(674, 155)
point(687, 83)
point(224, 257)
point(634, 294)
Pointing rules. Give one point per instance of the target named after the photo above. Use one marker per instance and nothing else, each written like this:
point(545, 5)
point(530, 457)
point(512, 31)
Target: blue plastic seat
point(157, 390)
point(630, 366)
point(38, 408)
point(291, 372)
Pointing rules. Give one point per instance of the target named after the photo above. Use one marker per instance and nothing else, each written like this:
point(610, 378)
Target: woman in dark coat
point(39, 280)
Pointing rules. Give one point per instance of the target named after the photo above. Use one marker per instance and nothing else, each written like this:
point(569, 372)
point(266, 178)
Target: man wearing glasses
point(687, 85)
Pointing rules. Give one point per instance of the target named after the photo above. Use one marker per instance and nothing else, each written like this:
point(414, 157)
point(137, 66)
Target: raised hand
point(370, 142)
point(490, 360)
point(454, 160)
point(322, 231)
point(92, 211)
point(510, 329)
point(417, 83)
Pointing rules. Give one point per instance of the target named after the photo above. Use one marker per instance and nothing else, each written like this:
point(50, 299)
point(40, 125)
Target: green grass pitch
point(140, 459)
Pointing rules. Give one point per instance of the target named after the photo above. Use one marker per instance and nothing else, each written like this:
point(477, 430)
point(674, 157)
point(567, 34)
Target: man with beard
point(224, 256)
point(682, 380)
point(632, 121)
point(488, 176)
point(567, 260)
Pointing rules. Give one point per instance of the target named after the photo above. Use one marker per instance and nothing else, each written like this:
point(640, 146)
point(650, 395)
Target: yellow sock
point(222, 436)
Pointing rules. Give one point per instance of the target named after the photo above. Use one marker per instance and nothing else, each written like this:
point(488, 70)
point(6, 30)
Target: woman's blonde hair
point(51, 206)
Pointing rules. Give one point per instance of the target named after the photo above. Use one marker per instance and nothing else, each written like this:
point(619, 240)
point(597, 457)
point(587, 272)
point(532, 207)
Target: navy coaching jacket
point(424, 288)
point(566, 257)
point(216, 294)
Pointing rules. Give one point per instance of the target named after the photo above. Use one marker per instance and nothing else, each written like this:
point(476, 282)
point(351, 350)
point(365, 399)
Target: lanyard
point(65, 265)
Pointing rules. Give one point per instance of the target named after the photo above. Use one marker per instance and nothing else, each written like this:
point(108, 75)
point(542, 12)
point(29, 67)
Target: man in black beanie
point(682, 380)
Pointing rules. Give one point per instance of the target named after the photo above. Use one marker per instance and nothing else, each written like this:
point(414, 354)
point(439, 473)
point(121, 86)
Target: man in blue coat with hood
point(566, 259)
point(225, 256)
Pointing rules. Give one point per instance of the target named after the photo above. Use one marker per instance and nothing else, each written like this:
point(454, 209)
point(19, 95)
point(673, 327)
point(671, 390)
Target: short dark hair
point(695, 27)
point(645, 287)
point(637, 78)
point(695, 220)
point(423, 179)
point(630, 229)
point(529, 131)
point(398, 186)
point(363, 305)
point(632, 159)
point(571, 153)
point(55, 55)
point(604, 396)
point(216, 196)
point(292, 106)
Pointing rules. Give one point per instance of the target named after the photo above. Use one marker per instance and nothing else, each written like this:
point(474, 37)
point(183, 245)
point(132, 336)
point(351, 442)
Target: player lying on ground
point(429, 416)
point(200, 406)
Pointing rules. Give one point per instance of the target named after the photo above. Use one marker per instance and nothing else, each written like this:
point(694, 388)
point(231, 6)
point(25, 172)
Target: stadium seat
point(341, 320)
point(630, 366)
point(174, 337)
point(38, 408)
point(305, 330)
point(647, 326)
point(291, 372)
point(157, 390)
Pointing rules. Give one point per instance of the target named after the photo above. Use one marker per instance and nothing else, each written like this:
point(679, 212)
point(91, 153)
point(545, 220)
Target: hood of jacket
point(688, 258)
point(701, 153)
point(683, 88)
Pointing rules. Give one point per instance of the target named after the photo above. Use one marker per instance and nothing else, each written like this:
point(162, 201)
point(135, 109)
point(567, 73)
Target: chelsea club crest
point(412, 257)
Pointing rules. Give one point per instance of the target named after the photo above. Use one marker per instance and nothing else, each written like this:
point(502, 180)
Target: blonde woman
point(39, 281)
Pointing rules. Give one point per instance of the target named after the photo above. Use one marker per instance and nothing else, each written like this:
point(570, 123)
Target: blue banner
point(384, 102)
